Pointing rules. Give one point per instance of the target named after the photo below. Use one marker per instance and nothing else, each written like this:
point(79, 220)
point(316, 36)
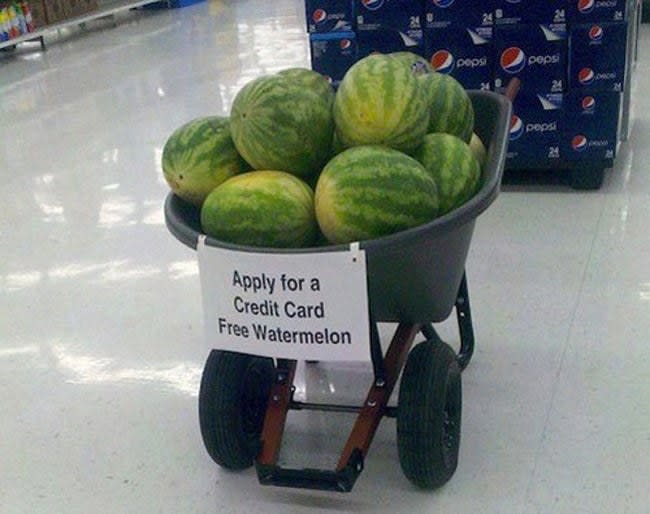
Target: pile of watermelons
point(297, 164)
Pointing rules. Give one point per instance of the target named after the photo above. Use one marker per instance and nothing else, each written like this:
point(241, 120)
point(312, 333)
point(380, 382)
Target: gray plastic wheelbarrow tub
point(413, 275)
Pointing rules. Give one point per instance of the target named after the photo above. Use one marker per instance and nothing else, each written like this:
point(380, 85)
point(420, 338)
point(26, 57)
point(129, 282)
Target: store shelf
point(106, 9)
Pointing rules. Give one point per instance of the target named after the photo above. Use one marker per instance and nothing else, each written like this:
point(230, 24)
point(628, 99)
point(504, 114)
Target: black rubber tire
point(429, 415)
point(233, 397)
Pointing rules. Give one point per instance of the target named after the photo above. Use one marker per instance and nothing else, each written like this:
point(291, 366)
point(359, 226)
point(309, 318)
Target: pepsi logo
point(442, 61)
point(443, 3)
point(596, 33)
point(344, 44)
point(579, 143)
point(319, 16)
point(588, 103)
point(586, 76)
point(586, 6)
point(372, 5)
point(516, 128)
point(513, 60)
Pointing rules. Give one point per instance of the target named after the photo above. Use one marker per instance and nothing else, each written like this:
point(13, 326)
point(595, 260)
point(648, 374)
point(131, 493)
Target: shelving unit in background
point(106, 9)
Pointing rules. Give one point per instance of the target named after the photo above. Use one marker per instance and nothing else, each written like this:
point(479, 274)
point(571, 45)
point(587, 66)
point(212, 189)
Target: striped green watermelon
point(416, 63)
point(310, 79)
point(371, 191)
point(278, 124)
point(199, 156)
point(453, 166)
point(381, 102)
point(271, 209)
point(450, 106)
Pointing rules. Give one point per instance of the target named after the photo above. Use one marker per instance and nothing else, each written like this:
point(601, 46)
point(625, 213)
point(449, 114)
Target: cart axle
point(389, 412)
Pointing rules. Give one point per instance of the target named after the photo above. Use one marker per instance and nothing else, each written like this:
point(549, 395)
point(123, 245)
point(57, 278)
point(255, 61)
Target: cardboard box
point(53, 11)
point(37, 9)
point(73, 8)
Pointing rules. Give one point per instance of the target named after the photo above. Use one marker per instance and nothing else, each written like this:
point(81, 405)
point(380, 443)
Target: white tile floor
point(101, 349)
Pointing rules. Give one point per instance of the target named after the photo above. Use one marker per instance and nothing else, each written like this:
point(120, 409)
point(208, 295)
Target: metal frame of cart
point(415, 278)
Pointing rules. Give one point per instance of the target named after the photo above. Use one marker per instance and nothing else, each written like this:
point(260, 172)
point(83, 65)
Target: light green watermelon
point(453, 166)
point(381, 102)
point(477, 146)
point(450, 106)
point(417, 64)
point(367, 192)
point(199, 156)
point(310, 79)
point(278, 124)
point(271, 209)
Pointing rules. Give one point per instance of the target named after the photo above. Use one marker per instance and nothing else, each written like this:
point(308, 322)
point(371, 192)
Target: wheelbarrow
point(415, 278)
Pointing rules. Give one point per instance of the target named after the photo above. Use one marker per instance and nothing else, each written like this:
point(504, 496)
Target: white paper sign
point(311, 306)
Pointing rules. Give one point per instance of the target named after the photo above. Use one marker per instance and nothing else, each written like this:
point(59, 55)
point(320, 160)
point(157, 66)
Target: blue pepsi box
point(511, 12)
point(329, 15)
point(535, 53)
point(536, 130)
point(403, 16)
point(587, 11)
point(386, 41)
point(332, 54)
point(468, 13)
point(591, 128)
point(596, 53)
point(464, 53)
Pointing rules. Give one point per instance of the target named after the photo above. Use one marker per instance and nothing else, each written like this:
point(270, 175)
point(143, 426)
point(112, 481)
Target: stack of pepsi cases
point(596, 74)
point(570, 58)
point(531, 44)
point(343, 31)
point(459, 40)
point(387, 26)
point(333, 42)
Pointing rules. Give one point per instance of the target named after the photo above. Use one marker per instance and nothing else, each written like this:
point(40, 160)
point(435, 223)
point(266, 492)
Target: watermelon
point(450, 106)
point(454, 167)
point(417, 64)
point(310, 79)
point(478, 148)
point(381, 102)
point(271, 209)
point(199, 156)
point(278, 124)
point(372, 191)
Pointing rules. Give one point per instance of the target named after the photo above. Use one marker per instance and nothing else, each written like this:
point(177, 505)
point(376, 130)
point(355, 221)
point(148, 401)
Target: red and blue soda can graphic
point(467, 54)
point(597, 56)
point(536, 129)
point(329, 16)
point(332, 54)
point(534, 53)
point(596, 11)
point(591, 125)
